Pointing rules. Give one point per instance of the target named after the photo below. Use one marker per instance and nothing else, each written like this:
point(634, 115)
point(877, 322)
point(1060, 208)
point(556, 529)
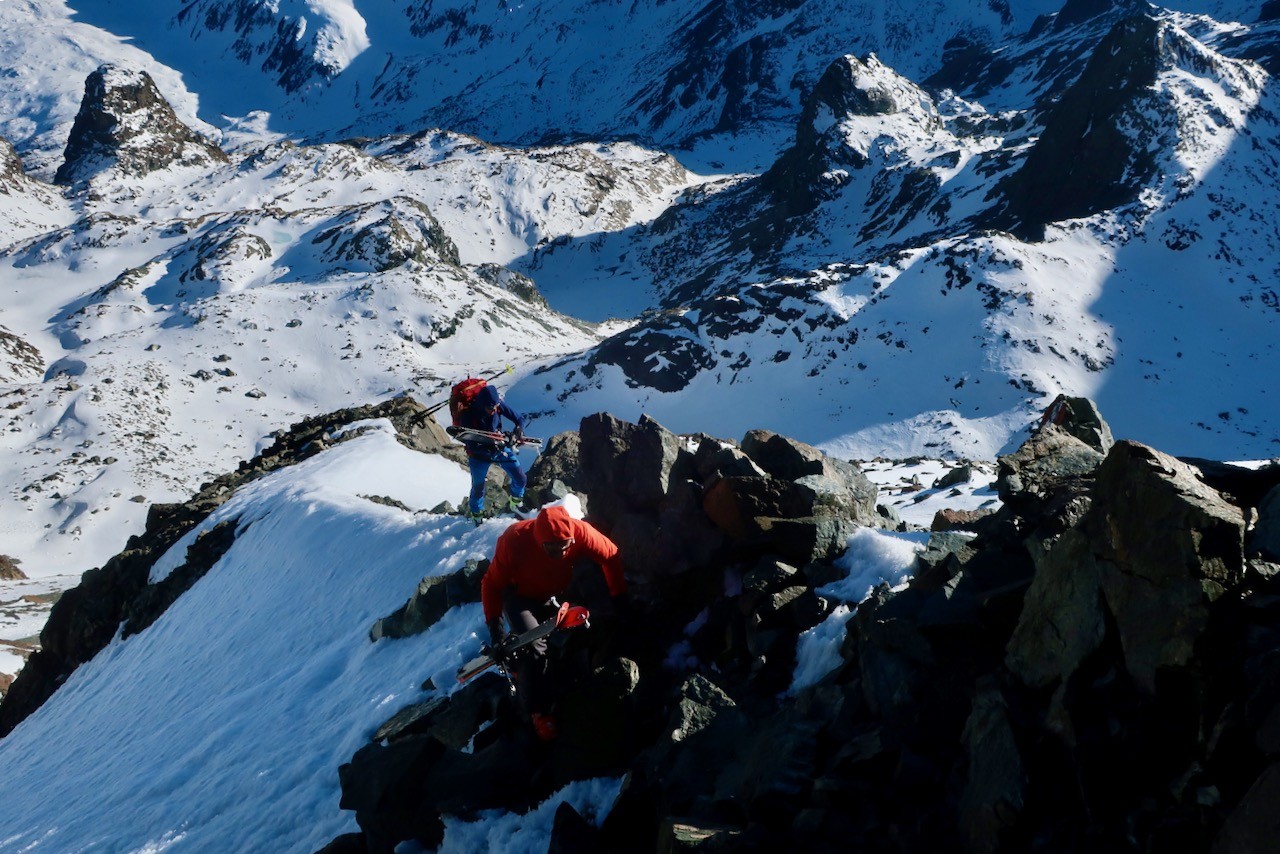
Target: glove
point(514, 437)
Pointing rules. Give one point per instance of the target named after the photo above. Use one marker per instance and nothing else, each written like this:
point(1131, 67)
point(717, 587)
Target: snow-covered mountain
point(887, 229)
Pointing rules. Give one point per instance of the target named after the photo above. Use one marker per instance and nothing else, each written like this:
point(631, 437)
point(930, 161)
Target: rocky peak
point(860, 110)
point(126, 125)
point(857, 96)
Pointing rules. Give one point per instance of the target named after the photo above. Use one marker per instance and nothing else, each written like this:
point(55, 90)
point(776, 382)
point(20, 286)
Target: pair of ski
point(567, 617)
point(492, 437)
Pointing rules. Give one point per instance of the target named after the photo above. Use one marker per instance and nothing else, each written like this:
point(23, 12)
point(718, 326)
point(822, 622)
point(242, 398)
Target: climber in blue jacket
point(485, 412)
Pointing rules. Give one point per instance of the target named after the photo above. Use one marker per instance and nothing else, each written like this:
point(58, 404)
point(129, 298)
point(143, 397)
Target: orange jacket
point(519, 560)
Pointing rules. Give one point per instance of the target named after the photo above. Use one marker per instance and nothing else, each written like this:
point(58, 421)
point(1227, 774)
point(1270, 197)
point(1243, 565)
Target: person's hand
point(515, 436)
point(496, 634)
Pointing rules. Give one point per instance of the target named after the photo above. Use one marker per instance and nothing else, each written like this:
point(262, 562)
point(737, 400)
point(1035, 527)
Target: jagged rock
point(9, 569)
point(1156, 549)
point(154, 599)
point(598, 722)
point(560, 462)
point(1063, 620)
point(806, 539)
point(1265, 537)
point(1079, 417)
point(995, 790)
point(1047, 464)
point(20, 361)
point(435, 595)
point(782, 457)
point(705, 728)
point(125, 124)
point(1178, 546)
point(451, 720)
point(715, 458)
point(959, 520)
point(571, 833)
point(627, 466)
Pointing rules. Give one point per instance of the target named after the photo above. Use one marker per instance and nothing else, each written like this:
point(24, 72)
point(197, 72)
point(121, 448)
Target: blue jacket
point(486, 413)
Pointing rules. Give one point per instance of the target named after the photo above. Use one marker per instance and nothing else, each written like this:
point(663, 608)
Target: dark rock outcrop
point(1095, 667)
point(1087, 160)
point(126, 125)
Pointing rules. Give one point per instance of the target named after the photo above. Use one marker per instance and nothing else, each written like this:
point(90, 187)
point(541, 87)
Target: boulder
point(955, 477)
point(715, 458)
point(559, 463)
point(626, 467)
point(959, 520)
point(435, 595)
point(1156, 549)
point(1050, 462)
point(1079, 417)
point(704, 729)
point(995, 789)
point(1265, 537)
point(1063, 618)
point(1171, 546)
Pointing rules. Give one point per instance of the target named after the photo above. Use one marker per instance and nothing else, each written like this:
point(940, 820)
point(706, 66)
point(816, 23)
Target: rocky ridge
point(1093, 664)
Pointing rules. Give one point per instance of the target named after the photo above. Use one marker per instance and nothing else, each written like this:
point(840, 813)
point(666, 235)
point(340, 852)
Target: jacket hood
point(487, 398)
point(552, 524)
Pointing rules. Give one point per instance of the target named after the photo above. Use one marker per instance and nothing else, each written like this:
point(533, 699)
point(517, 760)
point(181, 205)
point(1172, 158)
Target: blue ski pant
point(480, 470)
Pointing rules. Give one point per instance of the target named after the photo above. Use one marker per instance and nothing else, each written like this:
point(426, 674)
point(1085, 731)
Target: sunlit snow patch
point(872, 558)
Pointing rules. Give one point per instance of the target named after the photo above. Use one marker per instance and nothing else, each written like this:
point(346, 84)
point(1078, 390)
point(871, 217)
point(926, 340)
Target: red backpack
point(462, 395)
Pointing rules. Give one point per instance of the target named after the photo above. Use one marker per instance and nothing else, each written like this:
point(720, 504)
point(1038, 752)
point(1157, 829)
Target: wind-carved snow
point(150, 742)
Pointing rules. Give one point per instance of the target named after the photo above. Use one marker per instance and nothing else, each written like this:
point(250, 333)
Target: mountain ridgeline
point(1092, 664)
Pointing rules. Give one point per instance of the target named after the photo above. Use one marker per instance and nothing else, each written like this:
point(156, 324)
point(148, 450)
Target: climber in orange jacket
point(550, 555)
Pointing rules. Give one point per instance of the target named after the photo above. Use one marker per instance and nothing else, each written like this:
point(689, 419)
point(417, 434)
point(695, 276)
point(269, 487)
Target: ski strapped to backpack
point(568, 616)
point(481, 382)
point(491, 437)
